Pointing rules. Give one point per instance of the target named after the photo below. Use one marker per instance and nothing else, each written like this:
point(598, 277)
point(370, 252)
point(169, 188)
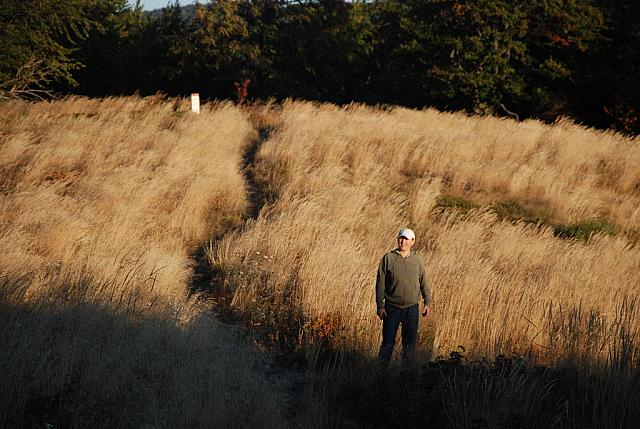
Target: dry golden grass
point(102, 204)
point(105, 202)
point(346, 179)
point(69, 362)
point(343, 180)
point(96, 183)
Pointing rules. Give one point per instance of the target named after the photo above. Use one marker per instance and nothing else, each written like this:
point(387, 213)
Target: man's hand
point(382, 313)
point(427, 311)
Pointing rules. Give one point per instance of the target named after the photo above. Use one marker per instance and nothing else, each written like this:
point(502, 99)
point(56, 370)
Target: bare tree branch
point(29, 82)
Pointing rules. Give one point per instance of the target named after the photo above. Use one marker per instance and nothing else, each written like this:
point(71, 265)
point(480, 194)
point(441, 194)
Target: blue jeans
point(396, 316)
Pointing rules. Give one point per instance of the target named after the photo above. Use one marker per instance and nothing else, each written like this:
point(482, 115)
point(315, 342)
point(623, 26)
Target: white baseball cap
point(406, 232)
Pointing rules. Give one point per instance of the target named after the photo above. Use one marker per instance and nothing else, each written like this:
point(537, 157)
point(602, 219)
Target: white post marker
point(195, 102)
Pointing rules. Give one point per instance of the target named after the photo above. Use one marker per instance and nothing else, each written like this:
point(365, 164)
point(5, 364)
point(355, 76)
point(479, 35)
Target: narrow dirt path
point(206, 281)
point(257, 198)
point(204, 278)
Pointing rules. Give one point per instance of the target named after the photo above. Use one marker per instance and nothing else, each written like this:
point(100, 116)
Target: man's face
point(404, 243)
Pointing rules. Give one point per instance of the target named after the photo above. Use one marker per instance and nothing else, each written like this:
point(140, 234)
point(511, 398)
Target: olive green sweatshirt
point(401, 281)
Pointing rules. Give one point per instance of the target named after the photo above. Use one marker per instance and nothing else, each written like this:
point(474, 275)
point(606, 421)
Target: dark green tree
point(111, 53)
point(220, 48)
point(563, 39)
point(38, 40)
point(533, 58)
point(488, 56)
point(316, 50)
point(615, 97)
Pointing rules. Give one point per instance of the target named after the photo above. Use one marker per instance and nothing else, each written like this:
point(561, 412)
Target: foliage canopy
point(537, 58)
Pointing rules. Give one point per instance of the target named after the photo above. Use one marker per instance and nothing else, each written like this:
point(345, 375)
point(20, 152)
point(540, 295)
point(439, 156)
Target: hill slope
point(529, 232)
point(103, 204)
point(490, 199)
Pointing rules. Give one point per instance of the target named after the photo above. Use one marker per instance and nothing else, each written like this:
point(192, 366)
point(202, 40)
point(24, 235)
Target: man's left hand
point(427, 311)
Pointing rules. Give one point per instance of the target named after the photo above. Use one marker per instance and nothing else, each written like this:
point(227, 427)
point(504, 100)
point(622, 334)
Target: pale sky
point(157, 4)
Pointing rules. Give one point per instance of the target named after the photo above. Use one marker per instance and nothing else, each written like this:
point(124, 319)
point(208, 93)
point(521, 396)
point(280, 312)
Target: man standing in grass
point(400, 283)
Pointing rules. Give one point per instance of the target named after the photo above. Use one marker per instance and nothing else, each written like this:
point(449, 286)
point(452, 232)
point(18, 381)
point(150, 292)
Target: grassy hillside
point(103, 204)
point(529, 233)
point(343, 180)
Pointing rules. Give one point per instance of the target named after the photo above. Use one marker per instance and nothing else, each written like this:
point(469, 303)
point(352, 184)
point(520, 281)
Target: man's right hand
point(382, 313)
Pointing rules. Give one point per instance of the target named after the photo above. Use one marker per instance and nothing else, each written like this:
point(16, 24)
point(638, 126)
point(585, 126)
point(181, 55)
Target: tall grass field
point(168, 269)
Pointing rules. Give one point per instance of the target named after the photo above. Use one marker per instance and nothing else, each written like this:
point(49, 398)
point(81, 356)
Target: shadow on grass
point(451, 392)
point(72, 357)
point(457, 392)
point(507, 392)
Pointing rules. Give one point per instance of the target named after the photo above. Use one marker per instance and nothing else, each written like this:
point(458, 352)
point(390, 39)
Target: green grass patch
point(453, 202)
point(584, 230)
point(511, 210)
point(515, 212)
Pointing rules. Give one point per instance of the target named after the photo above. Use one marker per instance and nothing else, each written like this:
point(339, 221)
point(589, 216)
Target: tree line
point(518, 58)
